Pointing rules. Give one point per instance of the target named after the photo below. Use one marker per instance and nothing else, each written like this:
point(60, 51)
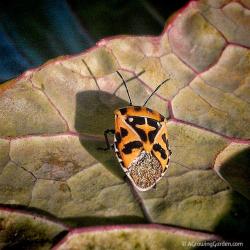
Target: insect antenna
point(123, 81)
point(155, 91)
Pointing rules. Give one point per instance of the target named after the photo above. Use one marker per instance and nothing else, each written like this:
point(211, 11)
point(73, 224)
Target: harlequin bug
point(140, 142)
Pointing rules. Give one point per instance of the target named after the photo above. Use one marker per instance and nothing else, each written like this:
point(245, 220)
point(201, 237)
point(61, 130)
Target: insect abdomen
point(145, 170)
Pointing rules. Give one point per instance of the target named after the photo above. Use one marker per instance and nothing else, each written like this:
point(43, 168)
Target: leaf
point(21, 230)
point(53, 118)
point(132, 237)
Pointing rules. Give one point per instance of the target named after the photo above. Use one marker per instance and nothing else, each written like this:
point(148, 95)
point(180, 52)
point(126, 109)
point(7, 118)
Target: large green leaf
point(149, 237)
point(21, 230)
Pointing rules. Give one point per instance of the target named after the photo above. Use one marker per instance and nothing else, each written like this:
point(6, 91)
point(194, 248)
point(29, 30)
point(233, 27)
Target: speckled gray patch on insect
point(145, 170)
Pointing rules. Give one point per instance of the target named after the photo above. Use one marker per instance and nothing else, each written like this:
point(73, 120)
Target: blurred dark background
point(33, 31)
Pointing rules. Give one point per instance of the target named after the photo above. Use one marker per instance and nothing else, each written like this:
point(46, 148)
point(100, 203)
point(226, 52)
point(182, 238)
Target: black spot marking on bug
point(141, 133)
point(137, 108)
point(123, 111)
point(165, 140)
point(150, 110)
point(138, 121)
point(157, 147)
point(124, 132)
point(129, 146)
point(152, 134)
point(167, 161)
point(162, 118)
point(153, 123)
point(118, 137)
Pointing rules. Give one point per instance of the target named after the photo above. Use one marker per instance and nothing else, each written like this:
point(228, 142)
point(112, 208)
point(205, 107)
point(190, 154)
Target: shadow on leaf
point(233, 225)
point(236, 171)
point(94, 114)
point(97, 220)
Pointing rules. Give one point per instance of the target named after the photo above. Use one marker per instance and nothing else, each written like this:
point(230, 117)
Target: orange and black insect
point(140, 142)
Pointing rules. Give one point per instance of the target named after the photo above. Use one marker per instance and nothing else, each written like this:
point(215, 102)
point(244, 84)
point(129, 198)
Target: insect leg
point(108, 145)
